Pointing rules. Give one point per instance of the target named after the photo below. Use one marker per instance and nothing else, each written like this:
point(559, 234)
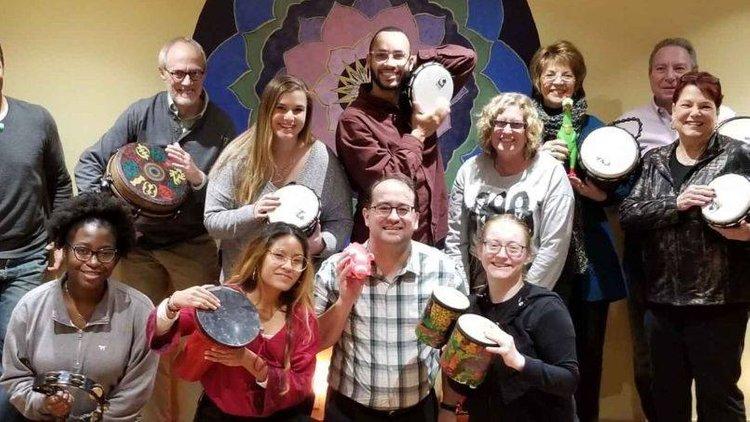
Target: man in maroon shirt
point(377, 135)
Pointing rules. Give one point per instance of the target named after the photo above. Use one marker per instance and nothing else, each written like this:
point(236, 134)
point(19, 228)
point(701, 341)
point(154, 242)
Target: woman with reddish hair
point(697, 276)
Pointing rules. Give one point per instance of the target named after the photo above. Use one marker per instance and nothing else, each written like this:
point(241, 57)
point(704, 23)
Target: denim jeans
point(17, 277)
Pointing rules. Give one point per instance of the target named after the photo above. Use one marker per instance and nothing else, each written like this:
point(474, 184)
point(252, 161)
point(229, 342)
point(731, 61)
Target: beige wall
point(86, 63)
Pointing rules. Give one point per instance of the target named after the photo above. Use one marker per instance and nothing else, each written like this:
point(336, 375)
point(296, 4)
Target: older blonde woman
point(512, 176)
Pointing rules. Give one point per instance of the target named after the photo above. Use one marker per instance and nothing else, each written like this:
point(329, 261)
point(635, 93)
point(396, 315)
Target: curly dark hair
point(102, 208)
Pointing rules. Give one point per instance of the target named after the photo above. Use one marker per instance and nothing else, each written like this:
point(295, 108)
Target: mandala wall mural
point(324, 42)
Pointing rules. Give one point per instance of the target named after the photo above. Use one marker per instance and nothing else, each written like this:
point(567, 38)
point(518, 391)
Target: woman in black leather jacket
point(697, 276)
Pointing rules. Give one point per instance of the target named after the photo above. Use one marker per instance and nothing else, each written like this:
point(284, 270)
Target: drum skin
point(609, 155)
point(737, 127)
point(300, 207)
point(731, 204)
point(143, 176)
point(465, 359)
point(234, 324)
point(429, 82)
point(439, 316)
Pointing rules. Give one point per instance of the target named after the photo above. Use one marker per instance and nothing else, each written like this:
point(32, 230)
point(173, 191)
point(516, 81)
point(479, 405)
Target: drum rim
point(731, 119)
point(127, 193)
point(619, 177)
point(445, 305)
point(488, 343)
point(253, 312)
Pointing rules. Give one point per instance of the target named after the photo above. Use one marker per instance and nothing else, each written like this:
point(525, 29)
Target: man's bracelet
point(449, 407)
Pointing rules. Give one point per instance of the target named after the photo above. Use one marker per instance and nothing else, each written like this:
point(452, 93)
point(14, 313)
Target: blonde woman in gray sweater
point(276, 151)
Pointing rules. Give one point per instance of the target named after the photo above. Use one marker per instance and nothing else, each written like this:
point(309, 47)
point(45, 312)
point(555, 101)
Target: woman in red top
point(271, 378)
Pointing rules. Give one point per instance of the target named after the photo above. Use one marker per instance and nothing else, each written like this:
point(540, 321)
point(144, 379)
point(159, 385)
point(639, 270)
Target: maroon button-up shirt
point(374, 138)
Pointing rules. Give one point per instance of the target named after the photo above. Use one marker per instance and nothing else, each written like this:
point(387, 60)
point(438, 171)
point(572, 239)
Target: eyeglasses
point(695, 77)
point(298, 262)
point(513, 249)
point(384, 210)
point(179, 75)
point(381, 56)
point(565, 77)
point(501, 124)
point(84, 254)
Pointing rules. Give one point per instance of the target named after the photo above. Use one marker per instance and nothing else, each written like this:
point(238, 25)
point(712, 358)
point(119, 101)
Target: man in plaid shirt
point(379, 371)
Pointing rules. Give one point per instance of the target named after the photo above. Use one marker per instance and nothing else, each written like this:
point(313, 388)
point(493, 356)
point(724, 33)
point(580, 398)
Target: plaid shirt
point(378, 361)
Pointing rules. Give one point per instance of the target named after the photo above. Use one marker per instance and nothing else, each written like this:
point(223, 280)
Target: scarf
point(552, 122)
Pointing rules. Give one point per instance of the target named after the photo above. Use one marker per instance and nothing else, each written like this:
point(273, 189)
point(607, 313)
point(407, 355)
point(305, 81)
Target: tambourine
point(737, 127)
point(430, 82)
point(610, 154)
point(298, 206)
point(234, 324)
point(731, 205)
point(88, 395)
point(144, 177)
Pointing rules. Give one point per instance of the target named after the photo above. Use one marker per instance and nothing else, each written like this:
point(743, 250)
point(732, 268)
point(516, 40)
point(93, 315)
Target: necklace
point(74, 306)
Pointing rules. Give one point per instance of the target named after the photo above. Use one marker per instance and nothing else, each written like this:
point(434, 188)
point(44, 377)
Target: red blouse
point(233, 389)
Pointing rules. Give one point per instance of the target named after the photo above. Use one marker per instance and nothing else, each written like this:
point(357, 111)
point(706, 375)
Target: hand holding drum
point(695, 196)
point(506, 348)
point(58, 404)
point(266, 204)
point(198, 297)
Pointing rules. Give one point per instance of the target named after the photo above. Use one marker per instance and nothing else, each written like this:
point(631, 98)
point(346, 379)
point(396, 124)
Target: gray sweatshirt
point(111, 349)
point(233, 225)
point(541, 195)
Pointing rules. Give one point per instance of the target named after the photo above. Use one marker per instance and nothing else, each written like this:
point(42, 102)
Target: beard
point(374, 78)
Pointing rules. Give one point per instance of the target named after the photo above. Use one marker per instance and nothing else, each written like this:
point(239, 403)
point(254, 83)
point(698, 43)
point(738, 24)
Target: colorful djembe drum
point(443, 308)
point(144, 177)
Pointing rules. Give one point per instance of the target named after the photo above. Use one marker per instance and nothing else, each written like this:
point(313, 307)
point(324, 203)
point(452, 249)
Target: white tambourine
point(737, 127)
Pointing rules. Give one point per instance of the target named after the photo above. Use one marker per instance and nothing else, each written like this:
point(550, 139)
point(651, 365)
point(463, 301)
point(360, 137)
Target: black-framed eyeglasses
point(501, 124)
point(384, 210)
point(513, 249)
point(84, 253)
point(297, 262)
point(179, 75)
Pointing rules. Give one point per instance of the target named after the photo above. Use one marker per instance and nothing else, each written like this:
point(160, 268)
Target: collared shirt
point(187, 124)
point(657, 125)
point(111, 349)
point(378, 361)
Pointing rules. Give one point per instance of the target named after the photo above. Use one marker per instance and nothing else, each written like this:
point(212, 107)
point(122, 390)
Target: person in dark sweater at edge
point(379, 134)
point(179, 253)
point(535, 373)
point(35, 182)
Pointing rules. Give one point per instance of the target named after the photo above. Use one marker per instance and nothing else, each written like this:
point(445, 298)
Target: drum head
point(451, 298)
point(609, 153)
point(732, 201)
point(87, 394)
point(143, 176)
point(235, 323)
point(736, 127)
point(428, 83)
point(474, 326)
point(299, 207)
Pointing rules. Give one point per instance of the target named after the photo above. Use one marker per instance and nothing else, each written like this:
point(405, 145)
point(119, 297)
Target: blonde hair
point(247, 274)
point(563, 52)
point(251, 150)
point(498, 105)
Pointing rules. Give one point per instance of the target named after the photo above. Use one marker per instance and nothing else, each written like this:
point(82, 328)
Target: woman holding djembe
point(697, 276)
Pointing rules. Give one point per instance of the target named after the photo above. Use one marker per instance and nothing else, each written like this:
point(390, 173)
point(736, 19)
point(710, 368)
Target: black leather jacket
point(685, 262)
